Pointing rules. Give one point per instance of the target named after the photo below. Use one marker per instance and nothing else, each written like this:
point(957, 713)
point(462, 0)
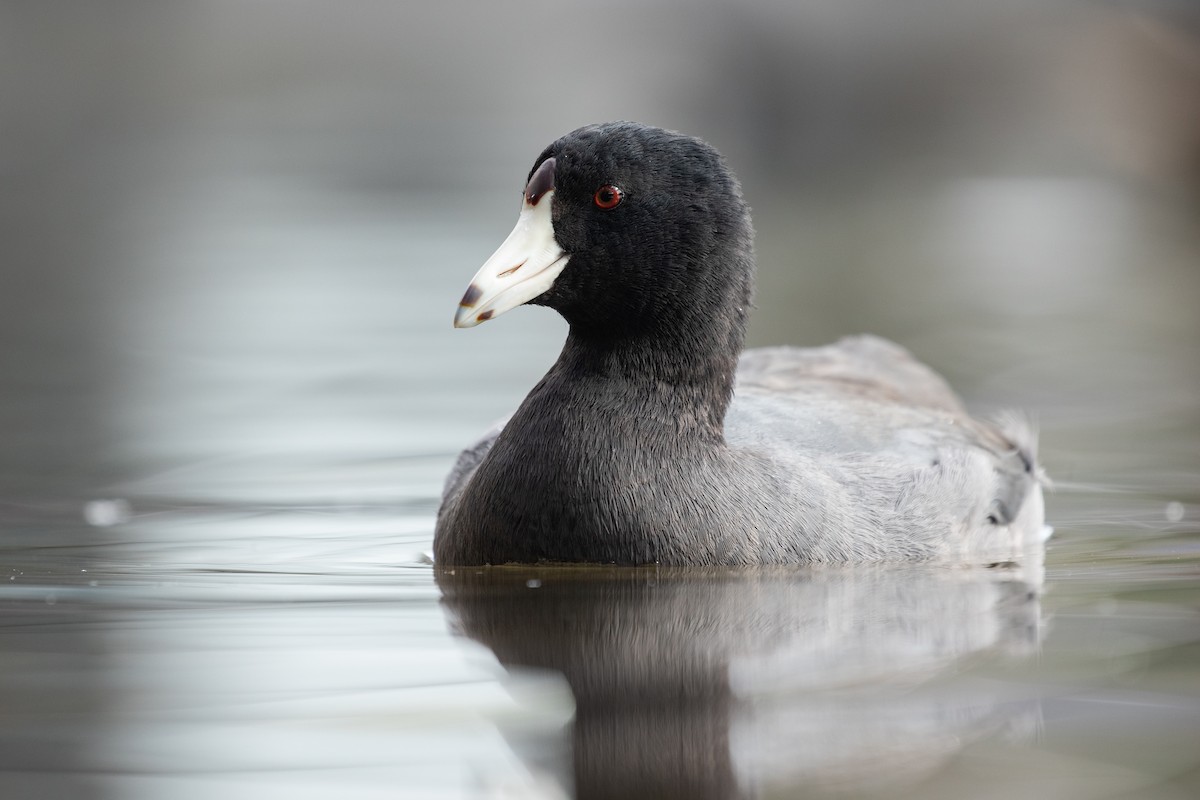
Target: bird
point(654, 439)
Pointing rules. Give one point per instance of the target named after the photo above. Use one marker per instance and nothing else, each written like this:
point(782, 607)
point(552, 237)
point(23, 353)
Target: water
point(250, 652)
point(244, 607)
point(229, 393)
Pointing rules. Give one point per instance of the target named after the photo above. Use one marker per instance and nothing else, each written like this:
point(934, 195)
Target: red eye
point(607, 197)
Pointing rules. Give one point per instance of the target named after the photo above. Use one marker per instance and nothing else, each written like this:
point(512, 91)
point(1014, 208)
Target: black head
point(655, 228)
point(628, 231)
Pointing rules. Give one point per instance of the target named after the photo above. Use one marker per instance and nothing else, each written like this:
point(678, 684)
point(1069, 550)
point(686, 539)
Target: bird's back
point(887, 454)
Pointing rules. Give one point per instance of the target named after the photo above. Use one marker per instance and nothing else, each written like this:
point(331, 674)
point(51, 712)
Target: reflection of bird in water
point(720, 683)
point(635, 448)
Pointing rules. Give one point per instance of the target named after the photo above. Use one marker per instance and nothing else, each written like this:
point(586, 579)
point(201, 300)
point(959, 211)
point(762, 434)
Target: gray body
point(850, 452)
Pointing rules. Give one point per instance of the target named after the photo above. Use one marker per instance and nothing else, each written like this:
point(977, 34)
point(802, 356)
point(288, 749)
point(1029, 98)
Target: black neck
point(676, 357)
point(680, 380)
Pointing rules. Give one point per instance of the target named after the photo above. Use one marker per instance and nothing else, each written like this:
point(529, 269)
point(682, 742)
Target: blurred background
point(236, 231)
point(233, 235)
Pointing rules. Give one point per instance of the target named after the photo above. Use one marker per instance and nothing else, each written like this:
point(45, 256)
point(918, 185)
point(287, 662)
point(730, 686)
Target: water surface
point(226, 592)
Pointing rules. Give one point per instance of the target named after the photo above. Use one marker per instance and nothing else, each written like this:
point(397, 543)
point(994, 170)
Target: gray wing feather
point(865, 366)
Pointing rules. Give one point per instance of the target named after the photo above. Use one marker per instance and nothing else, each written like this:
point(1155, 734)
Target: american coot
point(648, 441)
